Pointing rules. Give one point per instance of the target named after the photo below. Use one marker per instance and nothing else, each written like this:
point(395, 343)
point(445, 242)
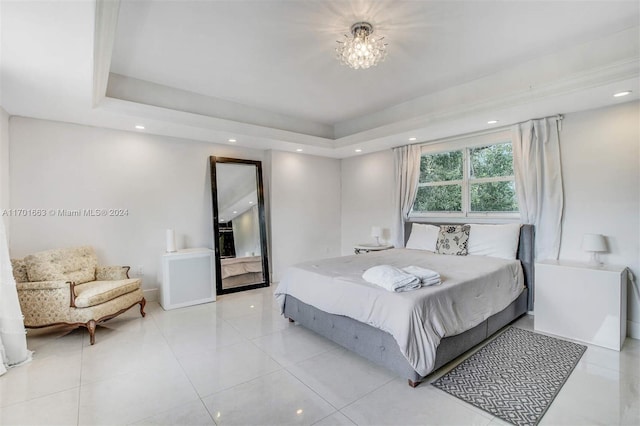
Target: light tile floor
point(238, 362)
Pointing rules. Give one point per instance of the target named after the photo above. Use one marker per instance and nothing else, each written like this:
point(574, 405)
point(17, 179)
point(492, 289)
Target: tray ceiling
point(264, 72)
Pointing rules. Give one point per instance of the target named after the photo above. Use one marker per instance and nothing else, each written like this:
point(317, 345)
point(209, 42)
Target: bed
point(378, 340)
point(241, 271)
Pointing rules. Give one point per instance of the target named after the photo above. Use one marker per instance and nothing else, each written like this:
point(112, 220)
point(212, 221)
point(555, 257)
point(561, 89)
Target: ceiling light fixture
point(362, 50)
point(621, 94)
point(412, 139)
point(139, 127)
point(299, 150)
point(232, 140)
point(492, 121)
point(358, 150)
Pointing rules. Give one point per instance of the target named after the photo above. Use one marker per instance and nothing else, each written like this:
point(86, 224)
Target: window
point(475, 180)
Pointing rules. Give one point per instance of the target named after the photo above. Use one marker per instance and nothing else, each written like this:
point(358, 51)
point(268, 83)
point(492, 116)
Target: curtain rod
point(558, 117)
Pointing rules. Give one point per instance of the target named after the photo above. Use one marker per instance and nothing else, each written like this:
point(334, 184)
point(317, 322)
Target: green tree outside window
point(489, 181)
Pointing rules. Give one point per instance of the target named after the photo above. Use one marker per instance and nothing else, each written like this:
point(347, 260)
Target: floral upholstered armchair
point(66, 286)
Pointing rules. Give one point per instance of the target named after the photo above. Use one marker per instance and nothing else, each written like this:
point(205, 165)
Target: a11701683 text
point(84, 212)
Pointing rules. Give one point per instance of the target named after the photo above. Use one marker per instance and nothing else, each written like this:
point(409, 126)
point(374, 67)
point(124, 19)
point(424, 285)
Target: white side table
point(187, 278)
point(366, 248)
point(582, 302)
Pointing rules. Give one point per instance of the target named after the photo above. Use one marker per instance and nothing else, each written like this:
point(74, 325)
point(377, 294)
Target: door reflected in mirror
point(239, 224)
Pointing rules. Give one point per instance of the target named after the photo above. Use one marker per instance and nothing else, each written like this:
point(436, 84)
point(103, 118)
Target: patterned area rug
point(515, 377)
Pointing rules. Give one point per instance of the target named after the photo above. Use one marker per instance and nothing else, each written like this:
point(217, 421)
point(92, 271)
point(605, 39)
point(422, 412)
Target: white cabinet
point(582, 302)
point(187, 278)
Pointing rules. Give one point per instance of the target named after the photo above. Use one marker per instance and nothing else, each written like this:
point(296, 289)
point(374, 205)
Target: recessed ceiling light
point(232, 140)
point(222, 220)
point(412, 139)
point(139, 127)
point(250, 202)
point(358, 150)
point(299, 150)
point(234, 212)
point(621, 94)
point(492, 121)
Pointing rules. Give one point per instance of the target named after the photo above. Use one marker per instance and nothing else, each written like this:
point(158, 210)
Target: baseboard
point(633, 329)
point(152, 294)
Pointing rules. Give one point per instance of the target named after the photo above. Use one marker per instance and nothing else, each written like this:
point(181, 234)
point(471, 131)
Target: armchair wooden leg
point(413, 384)
point(142, 303)
point(91, 326)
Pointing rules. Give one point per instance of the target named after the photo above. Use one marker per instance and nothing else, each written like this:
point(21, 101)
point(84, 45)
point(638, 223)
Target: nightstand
point(188, 278)
point(366, 248)
point(582, 302)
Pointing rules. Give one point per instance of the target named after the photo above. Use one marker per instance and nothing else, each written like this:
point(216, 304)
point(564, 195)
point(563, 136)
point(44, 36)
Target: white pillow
point(423, 237)
point(494, 240)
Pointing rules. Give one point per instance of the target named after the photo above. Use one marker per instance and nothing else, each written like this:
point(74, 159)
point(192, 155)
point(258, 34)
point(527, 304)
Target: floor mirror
point(239, 227)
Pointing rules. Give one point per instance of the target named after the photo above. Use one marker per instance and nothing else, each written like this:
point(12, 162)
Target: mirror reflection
point(239, 216)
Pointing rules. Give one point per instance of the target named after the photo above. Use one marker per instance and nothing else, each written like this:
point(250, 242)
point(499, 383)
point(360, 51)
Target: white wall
point(305, 209)
point(601, 171)
point(4, 166)
point(162, 182)
point(367, 185)
point(4, 149)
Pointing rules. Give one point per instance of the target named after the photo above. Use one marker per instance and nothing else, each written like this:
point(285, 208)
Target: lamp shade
point(594, 243)
point(376, 231)
point(171, 241)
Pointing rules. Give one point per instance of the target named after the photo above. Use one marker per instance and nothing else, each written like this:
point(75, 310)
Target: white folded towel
point(426, 276)
point(391, 278)
point(431, 281)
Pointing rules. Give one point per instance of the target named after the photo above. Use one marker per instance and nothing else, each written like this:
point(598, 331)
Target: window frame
point(465, 144)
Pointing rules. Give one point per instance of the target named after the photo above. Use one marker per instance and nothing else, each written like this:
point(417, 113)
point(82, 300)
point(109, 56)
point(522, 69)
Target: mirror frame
point(213, 160)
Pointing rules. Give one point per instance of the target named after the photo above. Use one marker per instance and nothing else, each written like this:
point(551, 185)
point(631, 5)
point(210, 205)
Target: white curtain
point(538, 175)
point(406, 161)
point(13, 340)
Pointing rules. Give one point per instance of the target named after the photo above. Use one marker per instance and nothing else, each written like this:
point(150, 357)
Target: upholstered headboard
point(526, 254)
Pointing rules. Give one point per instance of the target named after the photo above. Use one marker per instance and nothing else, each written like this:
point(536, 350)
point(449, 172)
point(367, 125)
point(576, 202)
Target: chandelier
point(362, 50)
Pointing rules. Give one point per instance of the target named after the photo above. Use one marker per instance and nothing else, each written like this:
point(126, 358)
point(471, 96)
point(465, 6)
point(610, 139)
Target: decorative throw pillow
point(453, 239)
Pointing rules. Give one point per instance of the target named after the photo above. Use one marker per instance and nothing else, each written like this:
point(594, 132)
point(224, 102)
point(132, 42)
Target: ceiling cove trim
point(387, 135)
point(592, 78)
point(619, 71)
point(213, 124)
point(106, 22)
point(149, 93)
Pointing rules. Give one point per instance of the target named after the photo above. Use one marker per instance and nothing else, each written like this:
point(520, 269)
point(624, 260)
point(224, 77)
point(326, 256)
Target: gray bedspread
point(473, 288)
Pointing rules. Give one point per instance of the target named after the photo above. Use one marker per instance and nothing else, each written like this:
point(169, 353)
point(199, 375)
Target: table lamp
point(594, 244)
point(376, 232)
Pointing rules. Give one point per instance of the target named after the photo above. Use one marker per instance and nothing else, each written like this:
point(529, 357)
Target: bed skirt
point(381, 348)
